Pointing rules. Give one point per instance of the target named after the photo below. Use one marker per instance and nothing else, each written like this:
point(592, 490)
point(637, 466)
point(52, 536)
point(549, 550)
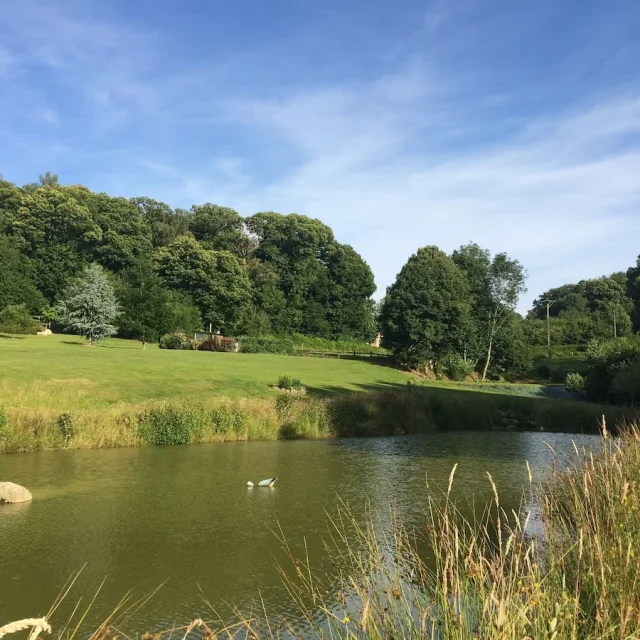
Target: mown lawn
point(61, 370)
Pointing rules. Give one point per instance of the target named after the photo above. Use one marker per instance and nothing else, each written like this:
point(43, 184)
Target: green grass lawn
point(61, 369)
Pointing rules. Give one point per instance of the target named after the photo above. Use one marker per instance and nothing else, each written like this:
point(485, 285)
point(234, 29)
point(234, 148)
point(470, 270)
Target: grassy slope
point(60, 370)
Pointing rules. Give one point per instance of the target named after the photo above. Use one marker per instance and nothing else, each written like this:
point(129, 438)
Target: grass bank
point(566, 567)
point(409, 410)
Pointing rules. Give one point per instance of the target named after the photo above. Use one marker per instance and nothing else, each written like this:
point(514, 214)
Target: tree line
point(182, 270)
point(176, 270)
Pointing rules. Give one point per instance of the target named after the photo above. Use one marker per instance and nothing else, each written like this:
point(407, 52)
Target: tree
point(219, 228)
point(17, 277)
point(89, 306)
point(145, 305)
point(506, 282)
point(327, 285)
point(164, 223)
point(16, 318)
point(426, 311)
point(495, 287)
point(125, 238)
point(54, 230)
point(633, 292)
point(475, 263)
point(215, 280)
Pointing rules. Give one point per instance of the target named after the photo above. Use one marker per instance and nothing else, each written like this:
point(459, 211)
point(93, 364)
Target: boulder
point(10, 492)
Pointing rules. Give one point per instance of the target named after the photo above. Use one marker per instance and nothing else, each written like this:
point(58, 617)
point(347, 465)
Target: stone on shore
point(11, 492)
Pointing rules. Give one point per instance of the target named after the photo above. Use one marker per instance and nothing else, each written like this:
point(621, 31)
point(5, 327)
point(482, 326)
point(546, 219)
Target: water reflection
point(142, 516)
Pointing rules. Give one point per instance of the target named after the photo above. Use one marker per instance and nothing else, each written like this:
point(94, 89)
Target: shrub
point(266, 344)
point(174, 341)
point(289, 383)
point(171, 424)
point(207, 345)
point(226, 345)
point(16, 318)
point(227, 419)
point(574, 383)
point(455, 367)
point(65, 425)
point(5, 428)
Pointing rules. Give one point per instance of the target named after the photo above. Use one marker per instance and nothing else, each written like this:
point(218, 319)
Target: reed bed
point(565, 566)
point(68, 417)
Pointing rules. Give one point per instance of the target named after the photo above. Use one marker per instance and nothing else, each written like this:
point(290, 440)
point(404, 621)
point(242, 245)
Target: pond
point(139, 517)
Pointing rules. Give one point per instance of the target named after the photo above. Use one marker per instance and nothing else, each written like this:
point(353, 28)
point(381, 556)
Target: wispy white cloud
point(421, 148)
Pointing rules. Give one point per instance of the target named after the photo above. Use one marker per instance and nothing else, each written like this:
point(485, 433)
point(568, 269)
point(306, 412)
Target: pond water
point(139, 517)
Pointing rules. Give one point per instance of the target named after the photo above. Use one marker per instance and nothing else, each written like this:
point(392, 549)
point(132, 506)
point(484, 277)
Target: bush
point(65, 425)
point(455, 368)
point(171, 425)
point(608, 360)
point(174, 341)
point(16, 318)
point(226, 419)
point(266, 344)
point(5, 428)
point(289, 383)
point(574, 383)
point(225, 345)
point(207, 345)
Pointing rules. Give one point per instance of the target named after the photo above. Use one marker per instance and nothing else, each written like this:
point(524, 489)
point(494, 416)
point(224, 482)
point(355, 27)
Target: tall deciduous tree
point(220, 228)
point(89, 306)
point(164, 223)
point(53, 229)
point(17, 276)
point(426, 311)
point(506, 283)
point(215, 280)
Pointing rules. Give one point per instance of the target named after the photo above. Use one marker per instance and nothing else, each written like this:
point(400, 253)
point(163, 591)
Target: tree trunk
point(486, 364)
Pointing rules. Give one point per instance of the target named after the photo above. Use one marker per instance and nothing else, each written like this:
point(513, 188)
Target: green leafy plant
point(5, 428)
point(574, 383)
point(65, 425)
point(174, 341)
point(171, 424)
point(289, 383)
point(16, 318)
point(227, 419)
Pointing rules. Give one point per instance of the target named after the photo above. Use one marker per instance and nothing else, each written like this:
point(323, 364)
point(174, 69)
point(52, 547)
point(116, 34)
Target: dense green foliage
point(269, 273)
point(455, 315)
point(15, 318)
point(426, 311)
point(284, 284)
point(614, 370)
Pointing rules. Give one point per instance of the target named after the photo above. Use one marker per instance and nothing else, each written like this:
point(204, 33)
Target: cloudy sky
point(512, 123)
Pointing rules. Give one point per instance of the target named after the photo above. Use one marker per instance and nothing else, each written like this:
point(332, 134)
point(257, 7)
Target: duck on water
point(269, 482)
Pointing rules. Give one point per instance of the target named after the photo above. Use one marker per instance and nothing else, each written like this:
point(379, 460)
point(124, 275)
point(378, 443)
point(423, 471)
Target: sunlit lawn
point(33, 368)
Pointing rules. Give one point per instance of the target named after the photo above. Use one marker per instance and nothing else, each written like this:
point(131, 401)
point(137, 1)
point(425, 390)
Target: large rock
point(11, 492)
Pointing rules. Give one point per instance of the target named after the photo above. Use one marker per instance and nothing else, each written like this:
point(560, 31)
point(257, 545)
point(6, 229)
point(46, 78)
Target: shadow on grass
point(385, 408)
point(6, 336)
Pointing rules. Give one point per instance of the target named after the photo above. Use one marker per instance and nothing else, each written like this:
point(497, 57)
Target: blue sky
point(512, 123)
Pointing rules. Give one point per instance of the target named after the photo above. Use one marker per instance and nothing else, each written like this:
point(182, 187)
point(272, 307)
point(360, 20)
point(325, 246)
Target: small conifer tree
point(89, 306)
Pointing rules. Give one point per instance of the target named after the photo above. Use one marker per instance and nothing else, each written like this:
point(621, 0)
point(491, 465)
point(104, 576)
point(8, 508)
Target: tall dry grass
point(76, 416)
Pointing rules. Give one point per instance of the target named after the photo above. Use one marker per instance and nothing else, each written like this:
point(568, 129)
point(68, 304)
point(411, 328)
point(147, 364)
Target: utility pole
point(549, 303)
point(615, 323)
